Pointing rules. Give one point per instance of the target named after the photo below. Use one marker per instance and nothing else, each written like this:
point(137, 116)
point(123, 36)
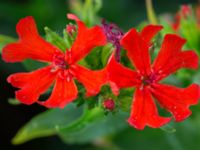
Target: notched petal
point(86, 40)
point(138, 50)
point(149, 31)
point(63, 93)
point(32, 84)
point(171, 58)
point(30, 44)
point(144, 111)
point(177, 100)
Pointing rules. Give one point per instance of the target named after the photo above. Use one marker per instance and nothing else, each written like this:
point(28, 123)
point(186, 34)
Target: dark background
point(52, 13)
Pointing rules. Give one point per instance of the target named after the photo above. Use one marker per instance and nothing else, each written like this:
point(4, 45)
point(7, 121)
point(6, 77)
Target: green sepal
point(191, 32)
point(86, 10)
point(13, 101)
point(106, 52)
point(68, 39)
point(55, 39)
point(168, 128)
point(4, 39)
point(32, 65)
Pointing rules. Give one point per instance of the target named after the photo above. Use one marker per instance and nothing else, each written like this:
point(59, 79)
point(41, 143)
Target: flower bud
point(186, 11)
point(113, 34)
point(109, 104)
point(70, 29)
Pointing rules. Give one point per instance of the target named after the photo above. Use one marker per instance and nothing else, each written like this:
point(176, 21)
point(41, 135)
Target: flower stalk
point(150, 12)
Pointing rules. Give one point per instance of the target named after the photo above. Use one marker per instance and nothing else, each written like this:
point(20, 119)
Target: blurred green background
point(52, 13)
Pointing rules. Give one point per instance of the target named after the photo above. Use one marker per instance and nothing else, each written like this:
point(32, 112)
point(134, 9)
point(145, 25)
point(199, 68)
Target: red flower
point(184, 13)
point(146, 77)
point(63, 67)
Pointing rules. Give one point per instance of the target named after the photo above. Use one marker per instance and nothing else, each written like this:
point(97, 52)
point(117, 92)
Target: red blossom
point(63, 67)
point(184, 13)
point(147, 76)
point(186, 10)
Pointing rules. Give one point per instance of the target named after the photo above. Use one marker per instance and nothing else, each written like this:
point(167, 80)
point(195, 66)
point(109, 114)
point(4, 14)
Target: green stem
point(150, 12)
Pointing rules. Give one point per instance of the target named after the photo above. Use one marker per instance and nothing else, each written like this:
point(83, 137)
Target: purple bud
point(113, 34)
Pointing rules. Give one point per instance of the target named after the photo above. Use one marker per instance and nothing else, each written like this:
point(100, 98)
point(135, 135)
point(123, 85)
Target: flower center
point(59, 62)
point(147, 80)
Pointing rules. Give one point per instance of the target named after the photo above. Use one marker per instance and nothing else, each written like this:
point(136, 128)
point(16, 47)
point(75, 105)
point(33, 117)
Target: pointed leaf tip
point(168, 128)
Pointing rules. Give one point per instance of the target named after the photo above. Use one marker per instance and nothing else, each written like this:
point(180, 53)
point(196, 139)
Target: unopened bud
point(70, 29)
point(113, 34)
point(109, 104)
point(186, 11)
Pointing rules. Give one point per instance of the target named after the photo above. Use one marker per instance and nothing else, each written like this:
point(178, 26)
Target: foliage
point(77, 123)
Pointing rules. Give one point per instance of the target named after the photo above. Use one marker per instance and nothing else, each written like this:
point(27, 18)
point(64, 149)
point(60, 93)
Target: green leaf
point(46, 123)
point(93, 59)
point(189, 30)
point(105, 53)
point(31, 65)
point(168, 128)
point(125, 103)
point(93, 125)
point(167, 27)
point(55, 39)
point(98, 5)
point(5, 40)
point(125, 99)
point(68, 39)
point(196, 77)
point(87, 10)
point(13, 101)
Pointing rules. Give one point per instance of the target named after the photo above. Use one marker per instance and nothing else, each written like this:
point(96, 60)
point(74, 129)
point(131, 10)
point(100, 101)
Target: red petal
point(149, 31)
point(30, 44)
point(189, 59)
point(73, 17)
point(171, 46)
point(63, 93)
point(122, 76)
point(177, 100)
point(32, 84)
point(86, 40)
point(92, 80)
point(170, 57)
point(138, 51)
point(177, 22)
point(144, 111)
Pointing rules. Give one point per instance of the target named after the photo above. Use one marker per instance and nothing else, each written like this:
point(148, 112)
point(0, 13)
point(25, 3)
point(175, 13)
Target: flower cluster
point(64, 68)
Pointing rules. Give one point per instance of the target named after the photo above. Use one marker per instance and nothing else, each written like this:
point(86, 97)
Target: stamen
point(147, 80)
point(59, 62)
